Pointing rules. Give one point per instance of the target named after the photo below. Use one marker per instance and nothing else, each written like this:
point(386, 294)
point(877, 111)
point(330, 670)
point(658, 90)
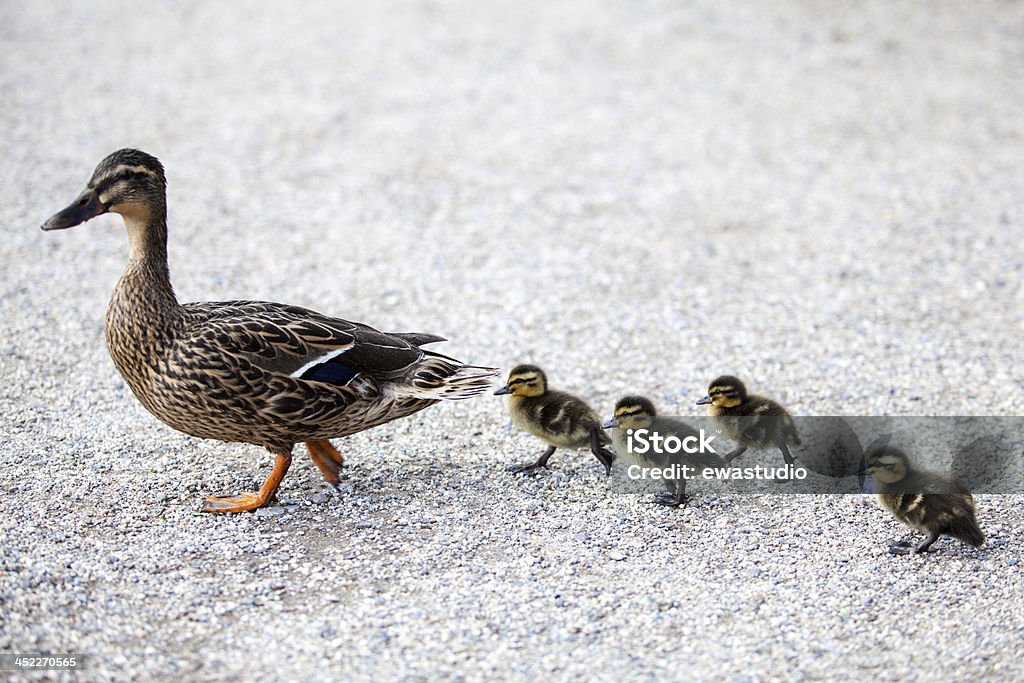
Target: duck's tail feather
point(419, 338)
point(439, 377)
point(970, 533)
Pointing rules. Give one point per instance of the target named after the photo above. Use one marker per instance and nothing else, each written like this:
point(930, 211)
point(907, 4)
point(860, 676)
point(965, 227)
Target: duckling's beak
point(82, 209)
point(503, 390)
point(610, 423)
point(704, 401)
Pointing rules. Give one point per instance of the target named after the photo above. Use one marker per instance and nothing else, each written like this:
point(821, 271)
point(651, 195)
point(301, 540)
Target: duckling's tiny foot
point(540, 462)
point(926, 546)
point(670, 501)
point(518, 469)
point(900, 547)
point(603, 455)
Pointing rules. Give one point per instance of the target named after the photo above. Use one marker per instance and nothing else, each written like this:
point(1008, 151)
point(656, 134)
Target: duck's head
point(631, 412)
point(887, 464)
point(525, 380)
point(725, 392)
point(128, 182)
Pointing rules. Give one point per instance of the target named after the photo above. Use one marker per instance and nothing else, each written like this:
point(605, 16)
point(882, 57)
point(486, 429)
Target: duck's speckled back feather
point(248, 371)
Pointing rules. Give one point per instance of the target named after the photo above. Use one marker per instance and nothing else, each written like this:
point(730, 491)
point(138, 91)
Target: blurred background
point(823, 199)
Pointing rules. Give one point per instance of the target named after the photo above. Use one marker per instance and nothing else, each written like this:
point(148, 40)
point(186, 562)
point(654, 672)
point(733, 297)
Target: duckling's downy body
point(750, 420)
point(634, 413)
point(557, 418)
point(923, 500)
point(249, 371)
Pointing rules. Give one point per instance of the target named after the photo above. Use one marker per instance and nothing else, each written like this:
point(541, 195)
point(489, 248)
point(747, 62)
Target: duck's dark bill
point(86, 206)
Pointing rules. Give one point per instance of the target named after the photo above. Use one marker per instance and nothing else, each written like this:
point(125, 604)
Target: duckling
point(750, 420)
point(633, 413)
point(255, 372)
point(924, 500)
point(559, 419)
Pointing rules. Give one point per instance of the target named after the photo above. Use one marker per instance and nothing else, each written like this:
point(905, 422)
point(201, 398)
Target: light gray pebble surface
point(826, 199)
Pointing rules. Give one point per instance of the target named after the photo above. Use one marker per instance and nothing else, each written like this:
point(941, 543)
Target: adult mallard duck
point(249, 371)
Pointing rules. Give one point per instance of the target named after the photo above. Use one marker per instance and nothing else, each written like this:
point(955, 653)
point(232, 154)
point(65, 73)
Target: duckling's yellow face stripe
point(724, 396)
point(887, 468)
point(885, 461)
point(627, 411)
point(525, 384)
point(632, 417)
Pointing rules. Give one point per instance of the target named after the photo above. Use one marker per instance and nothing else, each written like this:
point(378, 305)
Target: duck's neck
point(144, 296)
point(147, 236)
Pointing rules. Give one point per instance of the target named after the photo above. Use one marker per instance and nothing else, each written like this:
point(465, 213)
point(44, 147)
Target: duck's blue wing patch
point(330, 372)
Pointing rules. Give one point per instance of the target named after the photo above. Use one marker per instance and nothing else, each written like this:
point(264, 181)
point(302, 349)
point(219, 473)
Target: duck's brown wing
point(298, 342)
point(312, 348)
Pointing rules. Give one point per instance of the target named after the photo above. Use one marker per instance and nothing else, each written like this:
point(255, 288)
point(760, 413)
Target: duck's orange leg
point(327, 459)
point(244, 502)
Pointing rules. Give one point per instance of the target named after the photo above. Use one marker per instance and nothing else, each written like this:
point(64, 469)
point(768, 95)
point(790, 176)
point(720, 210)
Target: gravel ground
point(637, 196)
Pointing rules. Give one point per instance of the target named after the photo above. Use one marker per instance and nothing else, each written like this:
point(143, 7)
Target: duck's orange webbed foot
point(244, 502)
point(327, 459)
